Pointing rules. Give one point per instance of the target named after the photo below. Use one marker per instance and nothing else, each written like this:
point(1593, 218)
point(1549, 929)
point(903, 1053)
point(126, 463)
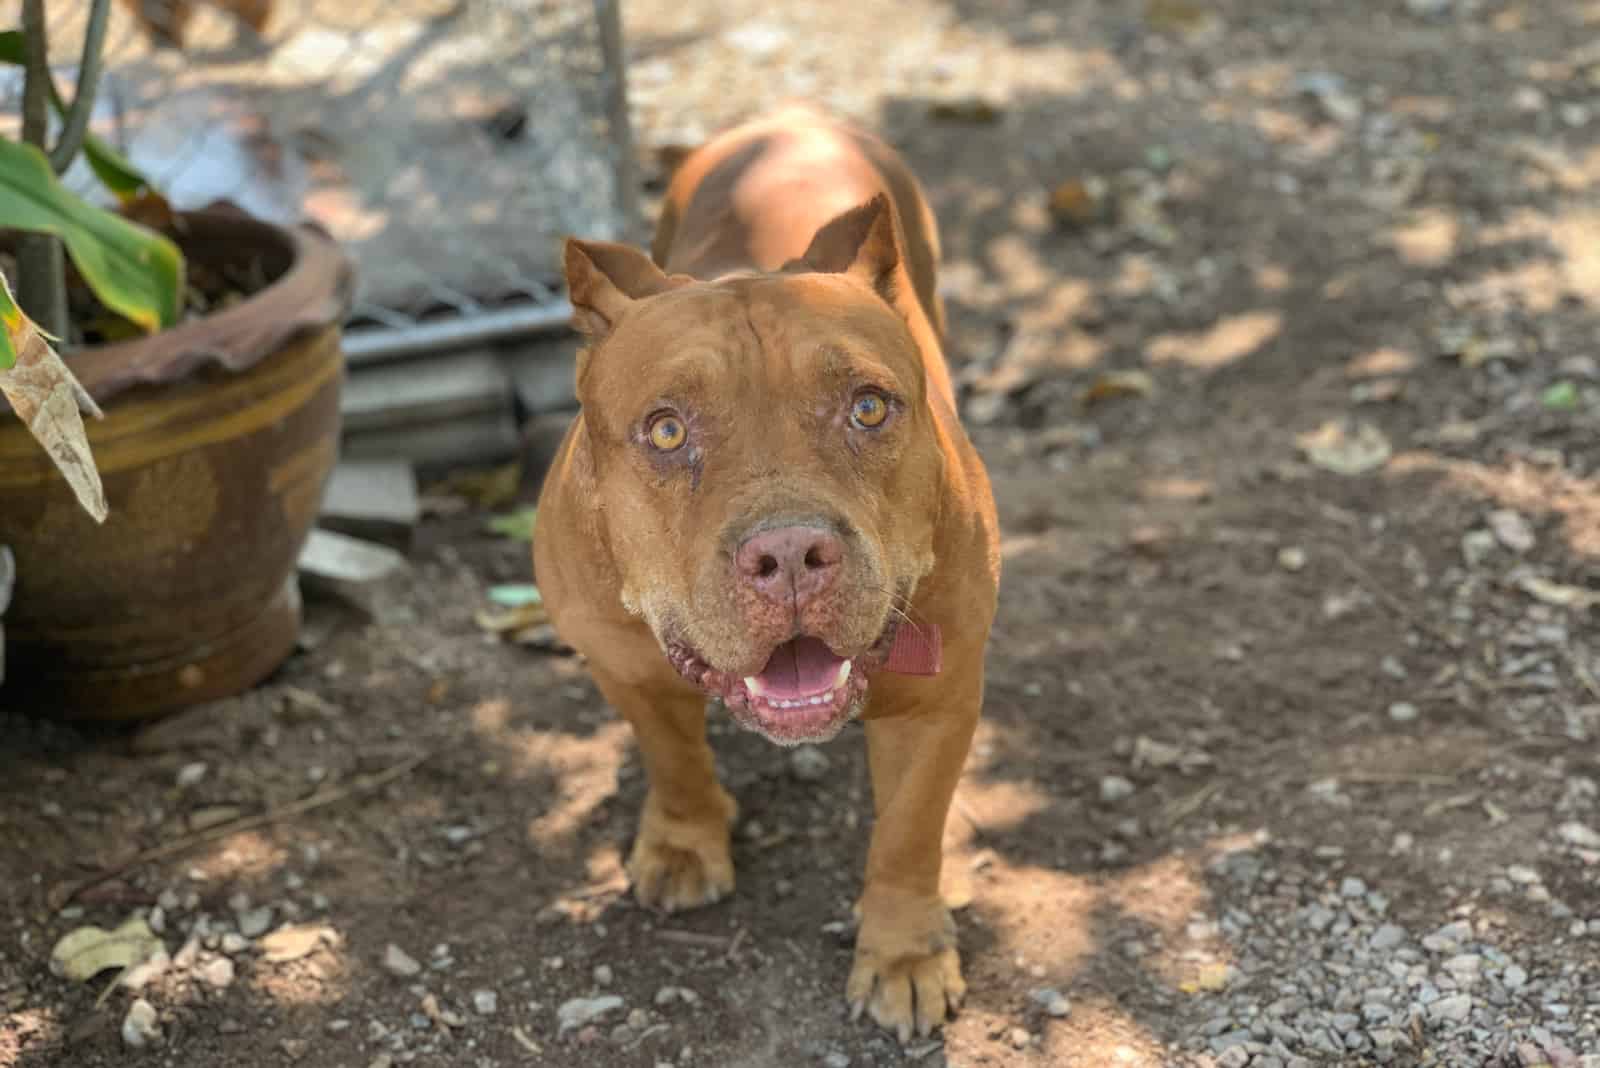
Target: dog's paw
point(907, 973)
point(679, 864)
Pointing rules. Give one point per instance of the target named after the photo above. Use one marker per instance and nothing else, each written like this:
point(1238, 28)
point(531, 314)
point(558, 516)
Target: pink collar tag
point(917, 650)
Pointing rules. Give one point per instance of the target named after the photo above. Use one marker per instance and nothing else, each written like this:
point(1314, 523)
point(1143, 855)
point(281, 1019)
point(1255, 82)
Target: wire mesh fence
point(448, 145)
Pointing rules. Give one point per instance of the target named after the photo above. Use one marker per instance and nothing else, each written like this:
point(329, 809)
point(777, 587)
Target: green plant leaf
point(135, 272)
point(1560, 396)
point(11, 320)
point(515, 595)
point(114, 170)
point(518, 525)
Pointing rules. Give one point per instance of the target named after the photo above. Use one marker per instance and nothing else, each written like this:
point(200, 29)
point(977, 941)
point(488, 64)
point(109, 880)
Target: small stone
point(398, 962)
point(1352, 887)
point(1234, 1057)
point(140, 1027)
point(581, 1012)
point(602, 974)
point(1511, 529)
point(168, 900)
point(1403, 712)
point(1114, 788)
point(1455, 1008)
point(1052, 1001)
point(809, 764)
point(1448, 937)
point(1476, 547)
point(836, 1060)
point(1292, 558)
point(485, 1002)
point(1514, 977)
point(191, 774)
point(256, 922)
point(1388, 936)
point(216, 973)
point(234, 942)
point(1522, 875)
point(666, 996)
point(1575, 833)
point(1020, 1037)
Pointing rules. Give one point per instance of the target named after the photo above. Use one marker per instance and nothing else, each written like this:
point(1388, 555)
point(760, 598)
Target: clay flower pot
point(218, 438)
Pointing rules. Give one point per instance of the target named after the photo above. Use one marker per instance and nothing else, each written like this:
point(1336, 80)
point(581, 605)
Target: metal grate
point(449, 146)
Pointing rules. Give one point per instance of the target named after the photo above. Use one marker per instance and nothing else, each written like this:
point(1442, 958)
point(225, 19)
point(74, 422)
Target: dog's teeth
point(753, 684)
point(844, 673)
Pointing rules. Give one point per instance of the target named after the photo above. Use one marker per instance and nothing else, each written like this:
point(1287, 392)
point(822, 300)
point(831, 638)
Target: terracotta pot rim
point(316, 291)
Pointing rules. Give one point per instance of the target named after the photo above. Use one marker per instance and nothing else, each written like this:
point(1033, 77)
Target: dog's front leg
point(681, 857)
point(907, 972)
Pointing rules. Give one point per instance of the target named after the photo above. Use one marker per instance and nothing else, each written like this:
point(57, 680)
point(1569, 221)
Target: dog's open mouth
point(805, 693)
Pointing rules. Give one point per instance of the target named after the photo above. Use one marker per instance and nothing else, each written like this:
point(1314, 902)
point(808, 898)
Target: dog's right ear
point(604, 279)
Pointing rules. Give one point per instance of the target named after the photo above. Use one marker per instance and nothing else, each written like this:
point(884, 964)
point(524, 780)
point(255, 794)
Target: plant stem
point(77, 117)
point(41, 265)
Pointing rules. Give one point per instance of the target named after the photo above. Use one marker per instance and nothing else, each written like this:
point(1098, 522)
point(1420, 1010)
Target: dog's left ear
point(862, 242)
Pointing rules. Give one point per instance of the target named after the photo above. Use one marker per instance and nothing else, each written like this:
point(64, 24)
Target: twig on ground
point(63, 893)
point(694, 938)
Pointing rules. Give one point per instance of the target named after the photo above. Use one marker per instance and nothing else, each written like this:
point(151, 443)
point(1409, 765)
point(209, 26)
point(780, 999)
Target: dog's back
point(752, 199)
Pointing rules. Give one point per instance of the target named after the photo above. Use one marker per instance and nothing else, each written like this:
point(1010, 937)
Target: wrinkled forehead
point(780, 335)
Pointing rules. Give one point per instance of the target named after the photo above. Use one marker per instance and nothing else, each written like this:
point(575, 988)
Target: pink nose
point(790, 564)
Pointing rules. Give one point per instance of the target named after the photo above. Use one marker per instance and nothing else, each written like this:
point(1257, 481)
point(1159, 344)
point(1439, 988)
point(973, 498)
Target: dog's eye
point(668, 433)
point(869, 409)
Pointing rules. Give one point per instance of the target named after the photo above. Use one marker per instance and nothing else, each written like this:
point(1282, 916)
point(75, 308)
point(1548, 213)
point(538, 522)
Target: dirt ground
point(1230, 690)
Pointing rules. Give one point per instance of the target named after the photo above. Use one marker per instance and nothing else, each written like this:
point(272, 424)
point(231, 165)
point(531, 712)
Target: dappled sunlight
point(245, 855)
point(1227, 341)
point(1000, 805)
point(1179, 490)
point(1100, 1034)
point(1271, 278)
point(1573, 272)
point(1519, 485)
point(1381, 362)
point(581, 768)
point(585, 773)
point(1046, 915)
point(1427, 239)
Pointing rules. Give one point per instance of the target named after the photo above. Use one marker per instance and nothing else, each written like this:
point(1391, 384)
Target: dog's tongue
point(800, 668)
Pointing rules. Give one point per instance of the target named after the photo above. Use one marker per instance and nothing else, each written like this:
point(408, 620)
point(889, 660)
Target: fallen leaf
point(1178, 15)
point(494, 488)
point(1079, 201)
point(48, 399)
point(965, 109)
point(515, 595)
point(1558, 594)
point(1336, 447)
point(84, 953)
point(517, 525)
point(1114, 384)
point(1211, 978)
point(513, 619)
point(296, 941)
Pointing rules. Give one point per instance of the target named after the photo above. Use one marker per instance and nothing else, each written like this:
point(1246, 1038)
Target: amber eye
point(869, 410)
point(668, 433)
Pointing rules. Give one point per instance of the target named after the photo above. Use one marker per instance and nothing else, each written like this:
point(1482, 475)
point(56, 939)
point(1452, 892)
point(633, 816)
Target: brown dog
point(768, 499)
point(168, 20)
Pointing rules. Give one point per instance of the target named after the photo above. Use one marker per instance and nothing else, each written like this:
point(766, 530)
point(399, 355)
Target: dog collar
point(916, 650)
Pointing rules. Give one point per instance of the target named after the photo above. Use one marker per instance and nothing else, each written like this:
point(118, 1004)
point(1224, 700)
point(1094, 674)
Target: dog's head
point(766, 473)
